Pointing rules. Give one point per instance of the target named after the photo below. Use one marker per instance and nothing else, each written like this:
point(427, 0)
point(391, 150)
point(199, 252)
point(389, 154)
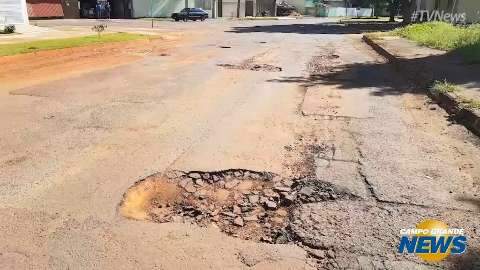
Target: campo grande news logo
point(432, 240)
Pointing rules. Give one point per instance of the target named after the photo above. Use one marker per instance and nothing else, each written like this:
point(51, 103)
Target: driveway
point(303, 100)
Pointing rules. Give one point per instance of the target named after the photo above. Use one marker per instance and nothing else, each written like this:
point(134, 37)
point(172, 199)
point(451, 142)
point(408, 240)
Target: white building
point(164, 8)
point(13, 12)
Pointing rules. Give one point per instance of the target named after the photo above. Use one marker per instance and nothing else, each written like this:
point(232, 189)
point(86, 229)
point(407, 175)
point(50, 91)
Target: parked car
point(190, 14)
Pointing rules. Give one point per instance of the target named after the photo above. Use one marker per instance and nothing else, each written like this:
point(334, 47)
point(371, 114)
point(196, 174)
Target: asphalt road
point(70, 149)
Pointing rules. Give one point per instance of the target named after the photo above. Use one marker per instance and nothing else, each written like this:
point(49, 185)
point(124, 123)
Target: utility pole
point(238, 8)
point(214, 9)
point(151, 10)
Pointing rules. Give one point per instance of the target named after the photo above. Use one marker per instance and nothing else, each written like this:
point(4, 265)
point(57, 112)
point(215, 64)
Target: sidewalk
point(423, 66)
point(27, 33)
point(57, 29)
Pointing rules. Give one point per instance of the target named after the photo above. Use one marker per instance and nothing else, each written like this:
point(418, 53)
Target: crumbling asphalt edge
point(468, 117)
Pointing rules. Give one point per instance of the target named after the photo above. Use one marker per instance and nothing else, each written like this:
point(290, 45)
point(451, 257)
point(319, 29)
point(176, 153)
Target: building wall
point(160, 8)
point(345, 12)
point(299, 4)
point(45, 9)
point(13, 12)
point(308, 7)
point(229, 8)
point(71, 9)
point(336, 3)
point(264, 5)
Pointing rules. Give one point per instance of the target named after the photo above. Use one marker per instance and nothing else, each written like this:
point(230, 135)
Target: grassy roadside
point(54, 44)
point(446, 87)
point(445, 36)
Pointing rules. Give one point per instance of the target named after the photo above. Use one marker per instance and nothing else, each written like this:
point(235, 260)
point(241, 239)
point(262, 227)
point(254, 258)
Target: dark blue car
point(190, 14)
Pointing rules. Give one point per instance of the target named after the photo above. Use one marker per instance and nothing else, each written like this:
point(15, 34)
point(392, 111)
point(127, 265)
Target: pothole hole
point(247, 204)
point(253, 67)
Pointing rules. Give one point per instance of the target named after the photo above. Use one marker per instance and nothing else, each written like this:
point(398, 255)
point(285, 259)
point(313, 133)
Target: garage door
point(44, 8)
point(12, 11)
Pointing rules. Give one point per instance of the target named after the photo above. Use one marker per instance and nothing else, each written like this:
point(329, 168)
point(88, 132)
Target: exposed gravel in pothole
point(253, 67)
point(246, 204)
point(322, 64)
point(254, 63)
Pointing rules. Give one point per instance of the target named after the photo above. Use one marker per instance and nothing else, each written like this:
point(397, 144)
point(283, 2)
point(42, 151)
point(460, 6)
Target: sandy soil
point(33, 68)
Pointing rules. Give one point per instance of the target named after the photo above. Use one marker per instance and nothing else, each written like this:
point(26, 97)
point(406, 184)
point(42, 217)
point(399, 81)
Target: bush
point(445, 87)
point(9, 29)
point(99, 28)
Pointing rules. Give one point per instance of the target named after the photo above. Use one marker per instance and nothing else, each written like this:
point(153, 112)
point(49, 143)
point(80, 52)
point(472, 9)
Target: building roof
point(44, 8)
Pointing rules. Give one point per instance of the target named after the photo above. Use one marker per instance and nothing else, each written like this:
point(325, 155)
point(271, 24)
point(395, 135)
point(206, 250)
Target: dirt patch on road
point(255, 63)
point(253, 67)
point(322, 63)
point(33, 68)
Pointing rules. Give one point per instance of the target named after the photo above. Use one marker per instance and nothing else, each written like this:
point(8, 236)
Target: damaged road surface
point(297, 147)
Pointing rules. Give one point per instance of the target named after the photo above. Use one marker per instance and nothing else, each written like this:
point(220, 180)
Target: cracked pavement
point(315, 103)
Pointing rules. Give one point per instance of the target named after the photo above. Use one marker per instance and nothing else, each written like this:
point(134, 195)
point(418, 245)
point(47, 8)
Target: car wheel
point(202, 19)
point(177, 19)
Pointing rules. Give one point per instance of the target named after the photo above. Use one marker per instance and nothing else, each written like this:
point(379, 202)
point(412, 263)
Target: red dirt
point(23, 70)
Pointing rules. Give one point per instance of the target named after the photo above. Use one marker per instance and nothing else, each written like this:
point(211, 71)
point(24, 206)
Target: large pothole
point(254, 63)
point(243, 203)
point(253, 67)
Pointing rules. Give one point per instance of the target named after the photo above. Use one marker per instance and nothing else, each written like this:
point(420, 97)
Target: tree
point(375, 4)
point(393, 7)
point(407, 7)
point(238, 8)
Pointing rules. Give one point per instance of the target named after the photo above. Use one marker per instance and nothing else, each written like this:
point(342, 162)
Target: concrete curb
point(470, 118)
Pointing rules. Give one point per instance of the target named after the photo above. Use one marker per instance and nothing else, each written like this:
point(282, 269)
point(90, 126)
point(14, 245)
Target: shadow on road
point(472, 201)
point(321, 28)
point(468, 261)
point(352, 77)
point(415, 77)
point(416, 71)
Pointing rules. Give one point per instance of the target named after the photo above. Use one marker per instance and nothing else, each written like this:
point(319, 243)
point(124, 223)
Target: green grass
point(54, 44)
point(445, 87)
point(471, 52)
point(471, 103)
point(445, 36)
point(378, 35)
